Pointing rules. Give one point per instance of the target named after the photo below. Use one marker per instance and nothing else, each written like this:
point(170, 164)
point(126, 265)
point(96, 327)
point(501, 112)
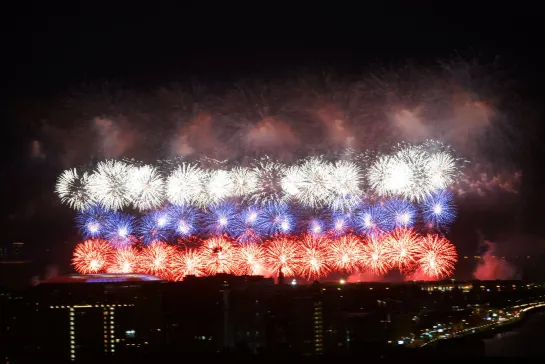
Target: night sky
point(51, 54)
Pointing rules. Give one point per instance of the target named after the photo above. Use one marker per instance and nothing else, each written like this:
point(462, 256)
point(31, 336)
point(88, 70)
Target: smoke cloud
point(491, 267)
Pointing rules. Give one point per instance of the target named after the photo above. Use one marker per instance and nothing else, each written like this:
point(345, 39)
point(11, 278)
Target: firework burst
point(124, 260)
point(438, 210)
point(146, 188)
point(402, 248)
point(72, 189)
point(252, 259)
point(282, 255)
point(375, 255)
point(438, 256)
point(345, 180)
point(220, 256)
point(187, 262)
point(314, 256)
point(185, 186)
point(345, 253)
point(155, 259)
point(92, 256)
point(92, 221)
point(109, 184)
point(269, 175)
point(244, 181)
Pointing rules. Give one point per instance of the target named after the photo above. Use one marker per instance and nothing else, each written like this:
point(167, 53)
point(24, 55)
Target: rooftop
point(102, 278)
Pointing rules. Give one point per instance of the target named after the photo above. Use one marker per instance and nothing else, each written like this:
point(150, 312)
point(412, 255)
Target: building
point(87, 318)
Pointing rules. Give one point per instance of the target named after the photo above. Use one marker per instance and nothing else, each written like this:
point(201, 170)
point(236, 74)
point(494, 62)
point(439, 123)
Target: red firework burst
point(375, 254)
point(92, 256)
point(124, 260)
point(155, 259)
point(314, 256)
point(345, 253)
point(220, 256)
point(438, 256)
point(252, 259)
point(403, 247)
point(187, 262)
point(281, 255)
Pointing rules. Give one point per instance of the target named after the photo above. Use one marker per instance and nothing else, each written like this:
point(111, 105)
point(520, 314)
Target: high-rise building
point(89, 317)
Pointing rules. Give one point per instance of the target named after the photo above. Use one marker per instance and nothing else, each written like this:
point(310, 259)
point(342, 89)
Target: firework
point(390, 176)
point(344, 180)
point(403, 248)
point(252, 259)
point(219, 185)
point(371, 219)
point(275, 219)
point(246, 227)
point(183, 220)
point(316, 226)
point(155, 259)
point(437, 257)
point(269, 175)
point(310, 183)
point(342, 223)
point(185, 186)
point(345, 253)
point(314, 256)
point(244, 181)
point(72, 189)
point(438, 210)
point(187, 262)
point(109, 184)
point(418, 184)
point(124, 260)
point(155, 225)
point(220, 218)
point(92, 221)
point(220, 256)
point(119, 227)
point(282, 255)
point(374, 255)
point(398, 213)
point(92, 256)
point(146, 188)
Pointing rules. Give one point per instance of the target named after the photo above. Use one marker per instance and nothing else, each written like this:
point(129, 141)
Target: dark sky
point(51, 49)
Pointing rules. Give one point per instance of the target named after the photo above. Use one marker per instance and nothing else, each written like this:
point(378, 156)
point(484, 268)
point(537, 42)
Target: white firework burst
point(219, 185)
point(344, 181)
point(269, 182)
point(147, 188)
point(186, 185)
point(290, 181)
point(313, 188)
point(244, 181)
point(416, 159)
point(109, 184)
point(442, 170)
point(72, 189)
point(388, 176)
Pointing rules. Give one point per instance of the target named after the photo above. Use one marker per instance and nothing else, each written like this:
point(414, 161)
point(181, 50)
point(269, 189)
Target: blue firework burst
point(92, 222)
point(398, 213)
point(220, 218)
point(438, 210)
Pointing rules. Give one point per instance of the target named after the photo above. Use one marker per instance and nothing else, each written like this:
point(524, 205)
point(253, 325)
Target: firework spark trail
point(109, 184)
point(282, 255)
point(187, 262)
point(220, 256)
point(92, 256)
point(314, 256)
point(155, 259)
point(345, 253)
point(375, 255)
point(438, 256)
point(403, 248)
point(124, 260)
point(73, 189)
